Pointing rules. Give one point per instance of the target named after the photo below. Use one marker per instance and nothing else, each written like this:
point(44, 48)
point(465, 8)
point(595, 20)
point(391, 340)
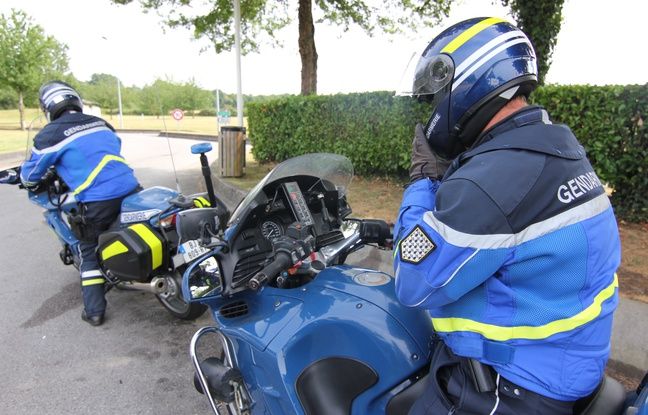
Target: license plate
point(191, 250)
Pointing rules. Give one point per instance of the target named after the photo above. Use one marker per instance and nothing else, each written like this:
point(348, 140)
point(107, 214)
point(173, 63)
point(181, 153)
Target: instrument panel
point(271, 230)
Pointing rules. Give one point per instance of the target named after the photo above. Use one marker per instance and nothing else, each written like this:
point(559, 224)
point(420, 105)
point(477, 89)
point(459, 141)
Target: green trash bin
point(231, 151)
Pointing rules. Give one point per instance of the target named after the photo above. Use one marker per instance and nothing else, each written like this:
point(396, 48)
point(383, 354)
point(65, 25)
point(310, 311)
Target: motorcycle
point(297, 330)
point(140, 251)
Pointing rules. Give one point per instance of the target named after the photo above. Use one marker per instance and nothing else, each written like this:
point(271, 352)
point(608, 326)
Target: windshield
point(333, 168)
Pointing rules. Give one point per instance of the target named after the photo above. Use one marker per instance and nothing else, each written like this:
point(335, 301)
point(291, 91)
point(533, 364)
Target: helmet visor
point(427, 77)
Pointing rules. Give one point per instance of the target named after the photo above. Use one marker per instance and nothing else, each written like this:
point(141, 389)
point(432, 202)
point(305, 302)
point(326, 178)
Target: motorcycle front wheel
point(175, 304)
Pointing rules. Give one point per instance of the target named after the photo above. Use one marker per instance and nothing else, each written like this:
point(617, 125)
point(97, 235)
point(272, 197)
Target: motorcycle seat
point(403, 401)
point(609, 398)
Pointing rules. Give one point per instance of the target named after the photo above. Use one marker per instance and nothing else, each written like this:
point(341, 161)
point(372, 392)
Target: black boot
point(94, 320)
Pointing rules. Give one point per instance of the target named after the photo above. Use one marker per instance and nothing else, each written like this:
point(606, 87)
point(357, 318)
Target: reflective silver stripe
point(545, 117)
point(484, 49)
point(466, 240)
point(53, 94)
point(486, 58)
point(93, 273)
point(68, 140)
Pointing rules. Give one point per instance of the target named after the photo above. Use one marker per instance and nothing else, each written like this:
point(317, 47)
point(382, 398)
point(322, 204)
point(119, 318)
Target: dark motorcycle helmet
point(467, 74)
point(56, 97)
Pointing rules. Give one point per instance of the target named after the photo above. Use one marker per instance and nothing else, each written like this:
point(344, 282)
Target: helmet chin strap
point(483, 112)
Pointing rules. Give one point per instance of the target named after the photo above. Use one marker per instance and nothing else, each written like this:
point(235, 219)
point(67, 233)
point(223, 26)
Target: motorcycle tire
point(175, 304)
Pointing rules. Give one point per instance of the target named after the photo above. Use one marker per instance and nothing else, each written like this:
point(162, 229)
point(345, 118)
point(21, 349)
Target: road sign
point(177, 114)
point(223, 117)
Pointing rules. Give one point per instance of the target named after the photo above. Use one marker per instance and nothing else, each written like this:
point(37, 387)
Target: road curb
point(191, 136)
point(229, 194)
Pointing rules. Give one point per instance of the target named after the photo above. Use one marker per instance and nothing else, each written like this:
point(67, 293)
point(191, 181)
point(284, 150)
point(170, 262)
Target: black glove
point(10, 176)
point(43, 183)
point(425, 163)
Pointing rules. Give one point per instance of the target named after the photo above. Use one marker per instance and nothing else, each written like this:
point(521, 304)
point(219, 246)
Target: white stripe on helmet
point(485, 48)
point(488, 57)
point(53, 93)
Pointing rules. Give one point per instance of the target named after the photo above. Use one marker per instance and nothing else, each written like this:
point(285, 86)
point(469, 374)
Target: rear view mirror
point(201, 148)
point(10, 176)
point(201, 224)
point(202, 280)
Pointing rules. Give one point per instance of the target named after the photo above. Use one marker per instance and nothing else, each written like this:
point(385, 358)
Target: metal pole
point(217, 111)
point(237, 41)
point(121, 121)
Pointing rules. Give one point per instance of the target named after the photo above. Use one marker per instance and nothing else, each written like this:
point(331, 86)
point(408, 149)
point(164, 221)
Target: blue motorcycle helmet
point(56, 97)
point(467, 74)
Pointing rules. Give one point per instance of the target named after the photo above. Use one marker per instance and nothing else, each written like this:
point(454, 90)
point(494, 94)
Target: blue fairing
point(286, 330)
point(152, 198)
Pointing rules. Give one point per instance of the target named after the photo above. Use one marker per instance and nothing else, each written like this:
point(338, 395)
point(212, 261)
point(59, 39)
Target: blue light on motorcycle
point(201, 148)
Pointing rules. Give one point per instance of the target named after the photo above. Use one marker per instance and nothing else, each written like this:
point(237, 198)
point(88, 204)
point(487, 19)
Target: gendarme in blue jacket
point(86, 153)
point(514, 253)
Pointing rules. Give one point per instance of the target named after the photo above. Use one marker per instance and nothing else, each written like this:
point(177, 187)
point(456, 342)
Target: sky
point(598, 44)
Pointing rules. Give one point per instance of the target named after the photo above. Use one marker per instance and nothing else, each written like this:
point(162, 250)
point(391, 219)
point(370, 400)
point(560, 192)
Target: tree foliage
point(261, 19)
point(28, 57)
point(540, 20)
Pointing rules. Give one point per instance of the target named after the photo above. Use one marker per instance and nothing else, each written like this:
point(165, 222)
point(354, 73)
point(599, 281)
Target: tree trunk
point(21, 110)
point(307, 48)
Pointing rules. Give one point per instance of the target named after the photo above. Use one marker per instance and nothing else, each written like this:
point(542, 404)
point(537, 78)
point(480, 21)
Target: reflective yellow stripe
point(502, 333)
point(94, 281)
point(113, 249)
point(468, 34)
point(152, 241)
point(95, 172)
point(201, 202)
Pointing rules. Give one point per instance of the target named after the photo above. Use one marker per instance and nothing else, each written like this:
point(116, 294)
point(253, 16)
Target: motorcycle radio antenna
point(166, 133)
point(40, 116)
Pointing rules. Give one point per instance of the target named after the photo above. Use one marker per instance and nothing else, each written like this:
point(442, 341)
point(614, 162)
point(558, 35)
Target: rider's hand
point(425, 163)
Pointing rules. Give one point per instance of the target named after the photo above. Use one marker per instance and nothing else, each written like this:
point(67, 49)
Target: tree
point(192, 98)
point(28, 57)
point(102, 89)
point(540, 20)
point(268, 16)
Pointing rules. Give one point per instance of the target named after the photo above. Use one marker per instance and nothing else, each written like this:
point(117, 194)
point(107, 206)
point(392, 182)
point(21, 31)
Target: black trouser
point(99, 215)
point(450, 390)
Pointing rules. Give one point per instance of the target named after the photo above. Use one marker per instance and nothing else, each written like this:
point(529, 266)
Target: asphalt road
point(54, 363)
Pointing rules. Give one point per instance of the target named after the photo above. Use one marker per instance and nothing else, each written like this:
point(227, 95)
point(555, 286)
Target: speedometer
point(271, 230)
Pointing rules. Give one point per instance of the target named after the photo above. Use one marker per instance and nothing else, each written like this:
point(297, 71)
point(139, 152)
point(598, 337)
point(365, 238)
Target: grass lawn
point(12, 139)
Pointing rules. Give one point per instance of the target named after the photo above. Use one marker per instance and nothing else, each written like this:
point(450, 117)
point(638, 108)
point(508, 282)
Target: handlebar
point(368, 231)
point(376, 231)
point(281, 261)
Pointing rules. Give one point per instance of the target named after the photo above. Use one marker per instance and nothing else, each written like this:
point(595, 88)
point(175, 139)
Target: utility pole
point(237, 42)
point(119, 103)
point(119, 100)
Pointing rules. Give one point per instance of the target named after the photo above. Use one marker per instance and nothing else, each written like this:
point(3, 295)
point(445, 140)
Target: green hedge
point(609, 122)
point(375, 131)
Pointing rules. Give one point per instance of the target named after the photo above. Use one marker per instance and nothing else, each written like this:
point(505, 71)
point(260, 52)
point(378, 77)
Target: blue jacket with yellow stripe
point(86, 153)
point(514, 253)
